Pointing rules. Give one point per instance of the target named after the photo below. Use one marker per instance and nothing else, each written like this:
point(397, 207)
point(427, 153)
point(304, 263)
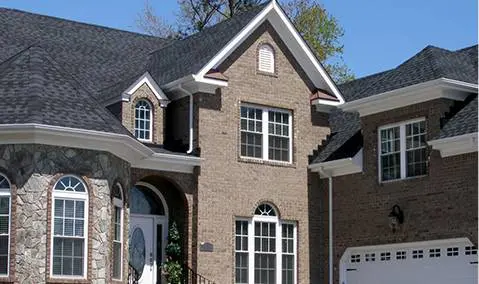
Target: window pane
point(391, 167)
point(69, 208)
point(4, 205)
point(80, 209)
point(279, 140)
point(416, 162)
point(4, 224)
point(68, 256)
point(241, 254)
point(288, 269)
point(117, 260)
point(142, 120)
point(58, 226)
point(58, 208)
point(265, 268)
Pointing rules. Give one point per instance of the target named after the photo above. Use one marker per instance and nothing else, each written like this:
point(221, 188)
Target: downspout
point(330, 207)
point(190, 119)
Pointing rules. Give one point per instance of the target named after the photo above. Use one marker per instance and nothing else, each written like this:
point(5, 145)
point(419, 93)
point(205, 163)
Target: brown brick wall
point(128, 112)
point(229, 187)
point(440, 205)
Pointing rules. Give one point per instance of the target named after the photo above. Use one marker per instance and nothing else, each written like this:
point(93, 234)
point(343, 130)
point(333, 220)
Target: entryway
point(148, 232)
point(439, 262)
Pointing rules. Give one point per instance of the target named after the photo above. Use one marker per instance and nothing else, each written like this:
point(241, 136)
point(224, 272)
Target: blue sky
point(379, 34)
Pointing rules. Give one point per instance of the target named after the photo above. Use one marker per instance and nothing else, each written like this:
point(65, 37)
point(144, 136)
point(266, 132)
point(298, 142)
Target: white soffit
point(455, 145)
point(410, 95)
point(300, 50)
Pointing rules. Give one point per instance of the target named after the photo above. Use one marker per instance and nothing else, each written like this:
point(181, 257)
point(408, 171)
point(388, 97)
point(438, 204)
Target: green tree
point(320, 29)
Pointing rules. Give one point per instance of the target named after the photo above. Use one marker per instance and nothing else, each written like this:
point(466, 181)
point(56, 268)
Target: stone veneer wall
point(33, 170)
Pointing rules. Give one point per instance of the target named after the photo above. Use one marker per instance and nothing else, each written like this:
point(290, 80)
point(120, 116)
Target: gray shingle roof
point(35, 89)
point(96, 56)
point(189, 55)
point(429, 64)
point(464, 122)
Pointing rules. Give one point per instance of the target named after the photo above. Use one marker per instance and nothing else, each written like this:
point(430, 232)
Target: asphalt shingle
point(464, 122)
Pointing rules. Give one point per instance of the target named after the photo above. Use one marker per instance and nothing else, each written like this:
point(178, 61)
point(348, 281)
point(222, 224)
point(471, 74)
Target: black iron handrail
point(191, 277)
point(133, 275)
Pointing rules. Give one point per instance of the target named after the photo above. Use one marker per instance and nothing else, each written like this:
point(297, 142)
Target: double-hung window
point(70, 225)
point(265, 249)
point(4, 226)
point(266, 133)
point(402, 150)
point(117, 232)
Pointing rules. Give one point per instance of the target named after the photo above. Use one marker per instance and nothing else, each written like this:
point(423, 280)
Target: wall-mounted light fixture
point(396, 217)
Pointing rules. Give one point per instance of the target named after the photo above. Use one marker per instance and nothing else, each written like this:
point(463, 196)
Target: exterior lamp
point(396, 217)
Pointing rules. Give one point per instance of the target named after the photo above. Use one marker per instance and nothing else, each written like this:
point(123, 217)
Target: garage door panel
point(439, 262)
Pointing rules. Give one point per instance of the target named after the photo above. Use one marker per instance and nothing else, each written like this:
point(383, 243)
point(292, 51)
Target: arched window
point(265, 248)
point(266, 58)
point(70, 227)
point(4, 225)
point(143, 120)
point(117, 245)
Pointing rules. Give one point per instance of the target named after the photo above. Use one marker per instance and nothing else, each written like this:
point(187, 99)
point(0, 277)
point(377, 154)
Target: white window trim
point(402, 146)
point(81, 196)
point(119, 203)
point(3, 193)
point(265, 134)
point(278, 249)
point(151, 121)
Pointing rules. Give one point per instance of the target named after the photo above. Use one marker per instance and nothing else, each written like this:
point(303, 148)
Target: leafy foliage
point(320, 29)
point(172, 266)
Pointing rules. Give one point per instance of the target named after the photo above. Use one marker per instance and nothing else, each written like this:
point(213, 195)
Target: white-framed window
point(266, 133)
point(266, 58)
point(143, 120)
point(117, 245)
point(265, 249)
point(402, 150)
point(70, 228)
point(5, 223)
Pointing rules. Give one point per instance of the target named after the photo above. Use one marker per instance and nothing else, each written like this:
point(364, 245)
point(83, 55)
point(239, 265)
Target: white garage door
point(439, 262)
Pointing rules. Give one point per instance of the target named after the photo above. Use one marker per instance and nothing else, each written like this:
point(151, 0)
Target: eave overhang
point(123, 146)
point(339, 167)
point(456, 145)
point(410, 95)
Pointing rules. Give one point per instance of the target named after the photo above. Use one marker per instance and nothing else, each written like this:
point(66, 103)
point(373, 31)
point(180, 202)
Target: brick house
point(107, 137)
point(398, 176)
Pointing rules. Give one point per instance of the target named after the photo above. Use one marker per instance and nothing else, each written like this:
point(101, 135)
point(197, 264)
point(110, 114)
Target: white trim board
point(339, 167)
point(151, 83)
point(410, 95)
point(123, 146)
point(455, 145)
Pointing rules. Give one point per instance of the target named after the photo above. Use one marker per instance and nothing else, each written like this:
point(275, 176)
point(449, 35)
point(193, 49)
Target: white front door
point(438, 262)
point(147, 244)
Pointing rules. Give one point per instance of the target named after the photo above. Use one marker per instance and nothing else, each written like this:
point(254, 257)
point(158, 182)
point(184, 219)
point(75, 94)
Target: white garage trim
point(415, 262)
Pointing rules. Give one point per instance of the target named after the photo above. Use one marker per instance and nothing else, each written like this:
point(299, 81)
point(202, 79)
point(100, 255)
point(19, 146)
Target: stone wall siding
point(128, 113)
point(230, 187)
point(33, 170)
point(440, 205)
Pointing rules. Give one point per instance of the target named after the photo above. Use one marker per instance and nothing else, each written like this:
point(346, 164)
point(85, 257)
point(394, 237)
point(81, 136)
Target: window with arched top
point(5, 214)
point(143, 120)
point(266, 58)
point(265, 248)
point(70, 227)
point(117, 246)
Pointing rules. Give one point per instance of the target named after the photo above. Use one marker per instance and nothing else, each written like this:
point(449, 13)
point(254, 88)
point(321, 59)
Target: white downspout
point(190, 120)
point(331, 257)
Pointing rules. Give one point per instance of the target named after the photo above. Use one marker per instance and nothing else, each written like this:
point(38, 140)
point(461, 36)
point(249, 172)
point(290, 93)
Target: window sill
point(402, 179)
point(59, 280)
point(269, 74)
point(266, 162)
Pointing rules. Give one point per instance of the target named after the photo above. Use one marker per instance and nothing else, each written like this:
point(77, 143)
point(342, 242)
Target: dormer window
point(143, 120)
point(266, 58)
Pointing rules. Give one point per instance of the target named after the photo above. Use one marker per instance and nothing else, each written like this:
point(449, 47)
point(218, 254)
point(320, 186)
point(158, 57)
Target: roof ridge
point(89, 96)
point(465, 48)
point(80, 23)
